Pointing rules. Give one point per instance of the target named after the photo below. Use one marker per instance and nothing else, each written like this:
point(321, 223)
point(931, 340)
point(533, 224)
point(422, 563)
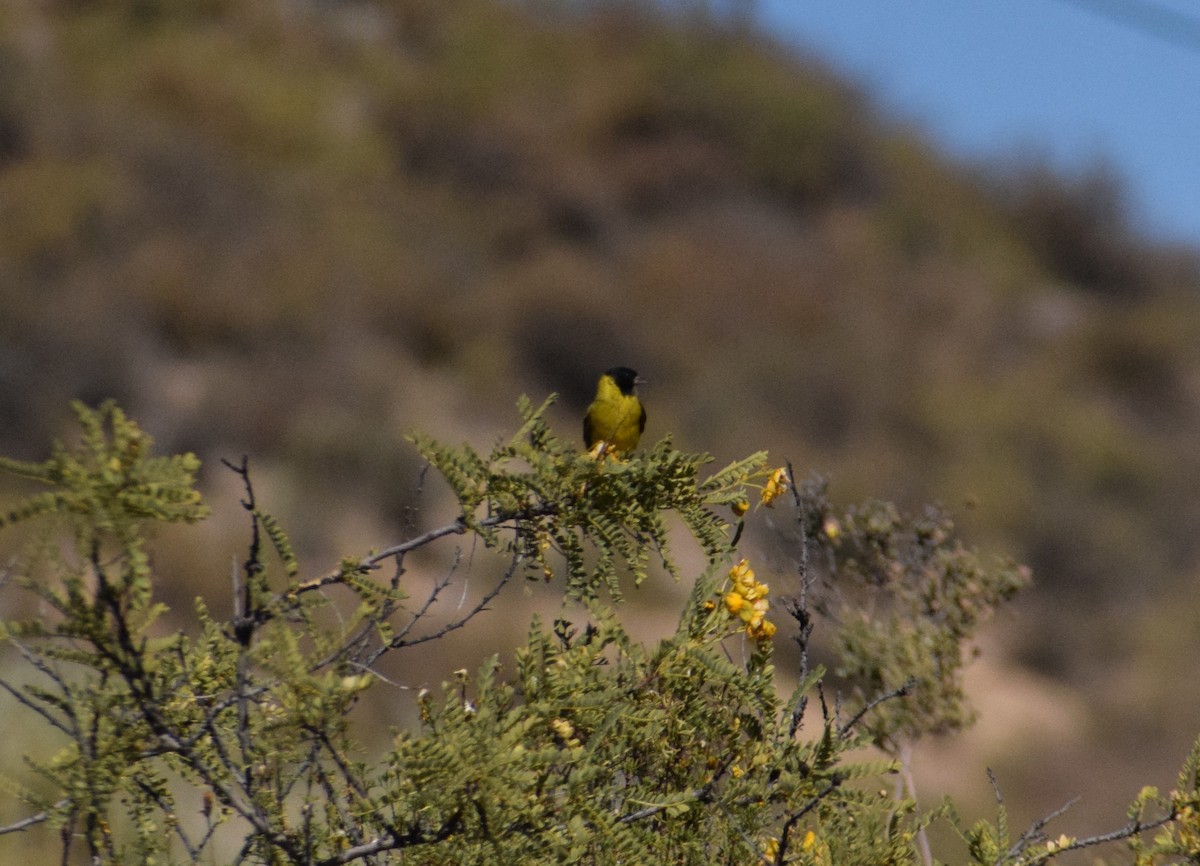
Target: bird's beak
point(638, 380)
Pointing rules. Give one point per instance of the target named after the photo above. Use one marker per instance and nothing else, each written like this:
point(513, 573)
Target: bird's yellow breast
point(614, 417)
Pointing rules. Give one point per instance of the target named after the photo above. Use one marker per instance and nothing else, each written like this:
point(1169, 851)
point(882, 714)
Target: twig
point(995, 787)
point(1033, 832)
point(798, 607)
point(432, 598)
point(1131, 829)
point(244, 623)
point(245, 617)
point(32, 820)
point(193, 850)
point(902, 691)
point(353, 827)
point(700, 795)
point(395, 840)
point(458, 527)
point(785, 835)
point(482, 605)
point(69, 725)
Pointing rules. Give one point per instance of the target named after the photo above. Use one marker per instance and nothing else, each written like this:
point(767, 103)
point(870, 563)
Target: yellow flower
point(777, 485)
point(356, 683)
point(566, 733)
point(810, 839)
point(760, 629)
point(744, 581)
point(831, 528)
point(1063, 841)
point(740, 507)
point(747, 600)
point(757, 590)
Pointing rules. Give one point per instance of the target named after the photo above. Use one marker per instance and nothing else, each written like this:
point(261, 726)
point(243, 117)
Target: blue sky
point(1055, 78)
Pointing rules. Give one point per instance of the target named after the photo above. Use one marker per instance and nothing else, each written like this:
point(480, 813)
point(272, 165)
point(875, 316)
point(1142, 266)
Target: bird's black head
point(625, 378)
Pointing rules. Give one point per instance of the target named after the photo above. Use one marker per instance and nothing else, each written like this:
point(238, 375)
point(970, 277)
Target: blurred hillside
point(295, 230)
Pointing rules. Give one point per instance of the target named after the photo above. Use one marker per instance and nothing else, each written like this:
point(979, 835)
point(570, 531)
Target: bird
point(615, 420)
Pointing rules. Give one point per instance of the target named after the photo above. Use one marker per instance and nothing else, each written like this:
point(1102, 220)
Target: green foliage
point(667, 755)
point(592, 748)
point(907, 596)
point(109, 483)
point(551, 498)
point(105, 490)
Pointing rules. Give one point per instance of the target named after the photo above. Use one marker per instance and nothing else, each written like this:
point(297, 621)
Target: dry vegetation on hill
point(295, 230)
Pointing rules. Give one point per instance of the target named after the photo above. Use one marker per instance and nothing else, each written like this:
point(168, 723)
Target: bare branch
point(432, 598)
point(1131, 829)
point(458, 527)
point(245, 618)
point(846, 729)
point(481, 606)
point(1033, 833)
point(68, 725)
point(995, 787)
point(32, 820)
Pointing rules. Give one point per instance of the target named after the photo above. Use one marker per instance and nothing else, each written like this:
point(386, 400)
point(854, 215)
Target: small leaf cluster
point(109, 480)
point(538, 496)
point(105, 489)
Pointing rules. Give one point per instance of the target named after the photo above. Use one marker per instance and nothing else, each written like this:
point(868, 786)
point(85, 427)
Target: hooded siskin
point(616, 417)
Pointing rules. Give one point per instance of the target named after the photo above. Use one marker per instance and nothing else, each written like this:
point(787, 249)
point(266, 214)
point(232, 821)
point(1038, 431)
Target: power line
point(1161, 22)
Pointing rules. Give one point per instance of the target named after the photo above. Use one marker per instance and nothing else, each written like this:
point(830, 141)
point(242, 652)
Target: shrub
point(588, 747)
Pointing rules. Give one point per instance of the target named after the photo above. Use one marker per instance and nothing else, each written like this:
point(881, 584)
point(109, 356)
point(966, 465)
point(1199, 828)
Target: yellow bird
point(616, 418)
